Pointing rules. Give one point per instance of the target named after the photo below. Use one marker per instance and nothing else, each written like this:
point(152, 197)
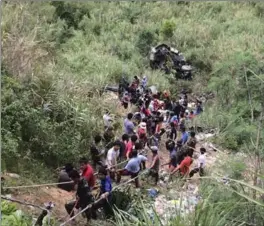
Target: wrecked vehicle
point(170, 60)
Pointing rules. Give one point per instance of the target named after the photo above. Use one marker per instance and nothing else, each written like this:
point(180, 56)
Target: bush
point(167, 29)
point(145, 40)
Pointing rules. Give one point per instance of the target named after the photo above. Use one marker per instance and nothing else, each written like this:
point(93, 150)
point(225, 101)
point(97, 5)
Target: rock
point(13, 175)
point(203, 136)
point(191, 187)
point(32, 208)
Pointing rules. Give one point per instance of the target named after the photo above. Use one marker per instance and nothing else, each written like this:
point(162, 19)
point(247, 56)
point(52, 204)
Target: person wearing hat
point(142, 132)
point(155, 164)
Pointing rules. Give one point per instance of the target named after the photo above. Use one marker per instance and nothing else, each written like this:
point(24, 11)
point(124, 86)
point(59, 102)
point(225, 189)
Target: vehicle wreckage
point(170, 60)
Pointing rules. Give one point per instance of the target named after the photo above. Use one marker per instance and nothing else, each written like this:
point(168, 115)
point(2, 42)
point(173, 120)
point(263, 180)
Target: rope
point(53, 184)
point(37, 185)
point(90, 205)
point(23, 203)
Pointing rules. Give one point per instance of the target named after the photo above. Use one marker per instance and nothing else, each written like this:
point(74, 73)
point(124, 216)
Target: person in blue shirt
point(185, 135)
point(132, 168)
point(174, 118)
point(105, 200)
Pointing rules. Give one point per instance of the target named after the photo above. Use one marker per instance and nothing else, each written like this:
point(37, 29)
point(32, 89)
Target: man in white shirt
point(111, 159)
point(201, 164)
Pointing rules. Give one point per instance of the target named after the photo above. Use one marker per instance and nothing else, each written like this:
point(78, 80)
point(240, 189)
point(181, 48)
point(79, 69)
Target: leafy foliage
point(11, 216)
point(168, 28)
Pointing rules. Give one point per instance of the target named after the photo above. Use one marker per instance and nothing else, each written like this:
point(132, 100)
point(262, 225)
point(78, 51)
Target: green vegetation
point(57, 56)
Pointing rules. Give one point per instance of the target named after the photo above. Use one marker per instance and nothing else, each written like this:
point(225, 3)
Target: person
point(191, 115)
point(142, 129)
point(125, 100)
point(142, 159)
point(105, 201)
point(142, 132)
point(180, 150)
point(177, 109)
point(184, 166)
point(137, 117)
point(111, 159)
point(95, 152)
point(132, 168)
point(184, 136)
point(174, 119)
point(155, 164)
point(108, 136)
point(130, 145)
point(129, 125)
point(83, 196)
point(64, 177)
point(144, 82)
point(168, 104)
point(201, 164)
point(182, 120)
point(191, 143)
point(123, 143)
point(199, 108)
point(159, 124)
point(170, 146)
point(173, 131)
point(87, 172)
point(135, 83)
point(107, 119)
point(156, 105)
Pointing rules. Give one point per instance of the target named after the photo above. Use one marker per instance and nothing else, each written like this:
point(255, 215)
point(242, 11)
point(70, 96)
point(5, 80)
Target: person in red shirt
point(87, 172)
point(130, 145)
point(184, 167)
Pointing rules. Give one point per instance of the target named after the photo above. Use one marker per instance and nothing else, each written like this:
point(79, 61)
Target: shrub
point(167, 29)
point(145, 40)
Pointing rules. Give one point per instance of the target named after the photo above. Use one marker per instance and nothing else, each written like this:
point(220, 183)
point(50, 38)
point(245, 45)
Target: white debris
point(13, 175)
point(203, 136)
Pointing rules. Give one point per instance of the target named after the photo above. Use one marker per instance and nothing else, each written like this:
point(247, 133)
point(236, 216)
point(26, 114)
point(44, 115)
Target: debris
point(153, 192)
point(170, 60)
point(13, 175)
point(203, 136)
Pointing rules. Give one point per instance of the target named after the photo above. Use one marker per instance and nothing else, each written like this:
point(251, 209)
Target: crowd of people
point(158, 115)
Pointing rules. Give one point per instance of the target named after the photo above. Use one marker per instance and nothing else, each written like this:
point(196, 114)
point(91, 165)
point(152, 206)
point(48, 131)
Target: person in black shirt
point(64, 177)
point(83, 196)
point(177, 109)
point(125, 139)
point(173, 131)
point(96, 153)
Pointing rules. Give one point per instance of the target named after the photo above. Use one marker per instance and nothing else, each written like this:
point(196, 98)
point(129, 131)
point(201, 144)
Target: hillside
point(57, 57)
